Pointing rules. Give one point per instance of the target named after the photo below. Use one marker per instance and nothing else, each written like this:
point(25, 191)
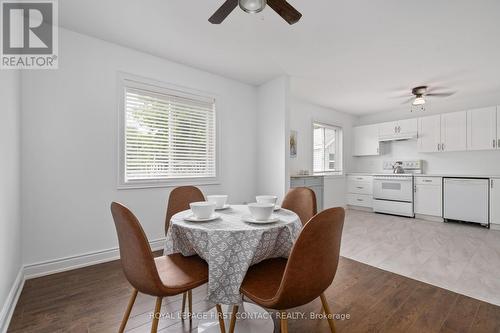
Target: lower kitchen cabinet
point(495, 203)
point(360, 200)
point(315, 183)
point(429, 196)
point(360, 191)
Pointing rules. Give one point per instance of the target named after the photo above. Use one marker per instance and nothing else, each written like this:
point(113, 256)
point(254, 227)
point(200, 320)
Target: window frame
point(339, 147)
point(126, 80)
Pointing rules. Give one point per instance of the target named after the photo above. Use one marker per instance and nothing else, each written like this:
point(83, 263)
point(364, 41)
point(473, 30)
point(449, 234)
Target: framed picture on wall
point(293, 144)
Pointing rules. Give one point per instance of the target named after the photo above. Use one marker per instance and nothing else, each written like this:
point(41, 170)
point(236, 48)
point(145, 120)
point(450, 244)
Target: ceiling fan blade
point(411, 99)
point(443, 94)
point(223, 12)
point(285, 10)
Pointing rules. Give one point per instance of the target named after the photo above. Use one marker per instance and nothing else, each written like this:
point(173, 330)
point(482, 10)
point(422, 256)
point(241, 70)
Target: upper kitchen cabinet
point(482, 128)
point(429, 134)
point(498, 127)
point(401, 129)
point(454, 131)
point(365, 141)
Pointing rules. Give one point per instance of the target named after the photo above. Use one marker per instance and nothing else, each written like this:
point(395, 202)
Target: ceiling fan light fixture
point(419, 100)
point(252, 6)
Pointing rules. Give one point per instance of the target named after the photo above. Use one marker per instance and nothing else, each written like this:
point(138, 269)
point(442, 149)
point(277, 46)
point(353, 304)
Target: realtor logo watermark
point(29, 36)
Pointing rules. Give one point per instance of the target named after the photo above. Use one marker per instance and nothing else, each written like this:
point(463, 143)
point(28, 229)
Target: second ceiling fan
point(283, 8)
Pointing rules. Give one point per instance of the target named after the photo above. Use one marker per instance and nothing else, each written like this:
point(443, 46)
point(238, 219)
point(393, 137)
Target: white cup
point(271, 199)
point(261, 211)
point(218, 200)
point(202, 209)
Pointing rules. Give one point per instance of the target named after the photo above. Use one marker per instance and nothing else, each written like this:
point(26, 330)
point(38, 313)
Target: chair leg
point(190, 304)
point(220, 315)
point(156, 318)
point(183, 308)
point(284, 322)
point(233, 319)
point(328, 313)
point(127, 312)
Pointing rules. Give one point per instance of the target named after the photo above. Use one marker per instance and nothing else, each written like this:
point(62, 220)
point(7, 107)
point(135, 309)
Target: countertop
point(424, 175)
point(318, 175)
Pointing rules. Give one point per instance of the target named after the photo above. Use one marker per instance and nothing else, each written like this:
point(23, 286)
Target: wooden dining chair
point(282, 284)
point(301, 201)
point(178, 201)
point(160, 277)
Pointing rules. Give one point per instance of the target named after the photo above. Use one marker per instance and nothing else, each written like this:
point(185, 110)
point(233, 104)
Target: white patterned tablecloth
point(230, 245)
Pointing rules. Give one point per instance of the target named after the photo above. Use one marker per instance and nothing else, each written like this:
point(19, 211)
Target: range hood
point(399, 137)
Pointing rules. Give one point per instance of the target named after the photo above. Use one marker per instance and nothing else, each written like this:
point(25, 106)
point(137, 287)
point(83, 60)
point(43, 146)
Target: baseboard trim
point(495, 227)
point(360, 208)
point(11, 301)
point(82, 260)
point(429, 218)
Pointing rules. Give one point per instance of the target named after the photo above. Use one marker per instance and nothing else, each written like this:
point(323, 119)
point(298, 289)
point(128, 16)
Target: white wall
point(69, 146)
point(272, 137)
point(467, 162)
point(10, 213)
point(302, 115)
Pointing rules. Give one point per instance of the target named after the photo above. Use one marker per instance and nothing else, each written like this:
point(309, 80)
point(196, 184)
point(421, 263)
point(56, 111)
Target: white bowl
point(202, 209)
point(261, 211)
point(271, 199)
point(218, 200)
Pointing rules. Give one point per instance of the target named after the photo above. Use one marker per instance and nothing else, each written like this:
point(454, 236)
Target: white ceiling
point(354, 56)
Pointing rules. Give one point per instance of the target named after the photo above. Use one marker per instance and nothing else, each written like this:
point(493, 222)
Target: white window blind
point(168, 135)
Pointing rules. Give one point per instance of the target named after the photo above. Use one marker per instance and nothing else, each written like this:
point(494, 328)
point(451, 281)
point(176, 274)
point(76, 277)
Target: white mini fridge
point(466, 199)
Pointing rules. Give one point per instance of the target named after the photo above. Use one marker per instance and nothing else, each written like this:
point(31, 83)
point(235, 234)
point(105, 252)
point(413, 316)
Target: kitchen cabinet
point(401, 129)
point(482, 129)
point(498, 127)
point(359, 191)
point(429, 134)
point(454, 131)
point(365, 141)
point(495, 203)
point(445, 132)
point(429, 196)
point(315, 183)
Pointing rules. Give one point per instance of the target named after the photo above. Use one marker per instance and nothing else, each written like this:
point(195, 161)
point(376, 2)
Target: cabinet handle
point(442, 146)
point(360, 187)
point(360, 199)
point(439, 146)
point(427, 181)
point(494, 143)
point(395, 129)
point(498, 144)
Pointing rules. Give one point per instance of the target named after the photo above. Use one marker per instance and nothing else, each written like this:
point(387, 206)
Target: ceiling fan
point(421, 92)
point(283, 8)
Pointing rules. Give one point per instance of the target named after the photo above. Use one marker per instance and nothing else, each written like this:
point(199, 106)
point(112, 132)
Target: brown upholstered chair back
point(179, 200)
point(313, 261)
point(135, 254)
point(301, 201)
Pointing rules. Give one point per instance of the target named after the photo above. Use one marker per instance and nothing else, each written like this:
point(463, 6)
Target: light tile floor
point(461, 258)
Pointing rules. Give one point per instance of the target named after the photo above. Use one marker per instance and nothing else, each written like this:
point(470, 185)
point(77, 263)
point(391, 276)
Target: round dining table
point(230, 246)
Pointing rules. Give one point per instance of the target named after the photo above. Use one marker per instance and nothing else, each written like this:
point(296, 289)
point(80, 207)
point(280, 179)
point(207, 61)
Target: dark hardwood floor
point(93, 299)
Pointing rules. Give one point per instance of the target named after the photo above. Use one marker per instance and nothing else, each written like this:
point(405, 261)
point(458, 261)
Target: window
point(327, 148)
point(168, 136)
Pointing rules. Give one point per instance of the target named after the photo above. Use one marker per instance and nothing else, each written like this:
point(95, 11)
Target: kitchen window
point(327, 148)
point(168, 136)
